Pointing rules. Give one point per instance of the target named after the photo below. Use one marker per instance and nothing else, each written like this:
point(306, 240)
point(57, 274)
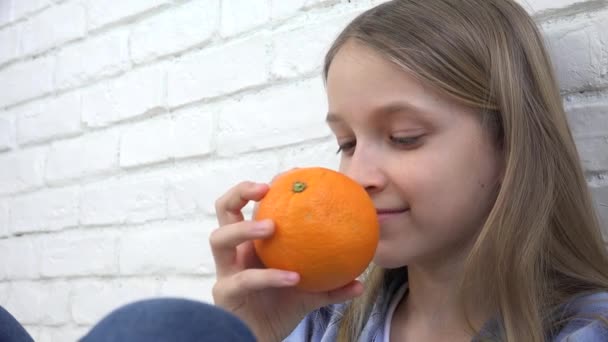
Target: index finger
point(228, 207)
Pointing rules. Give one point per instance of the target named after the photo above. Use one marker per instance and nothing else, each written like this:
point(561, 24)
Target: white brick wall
point(121, 123)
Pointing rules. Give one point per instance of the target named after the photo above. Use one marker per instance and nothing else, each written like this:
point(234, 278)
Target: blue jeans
point(153, 320)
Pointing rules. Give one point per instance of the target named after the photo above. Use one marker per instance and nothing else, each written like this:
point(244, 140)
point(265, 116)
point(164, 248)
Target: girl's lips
point(386, 214)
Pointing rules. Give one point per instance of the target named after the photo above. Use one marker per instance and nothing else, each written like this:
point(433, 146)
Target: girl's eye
point(345, 147)
point(405, 141)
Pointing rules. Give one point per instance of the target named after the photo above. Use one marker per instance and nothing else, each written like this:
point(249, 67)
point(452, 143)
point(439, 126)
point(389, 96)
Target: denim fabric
point(11, 330)
point(169, 319)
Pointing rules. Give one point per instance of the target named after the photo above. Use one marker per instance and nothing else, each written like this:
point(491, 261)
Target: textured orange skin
point(328, 233)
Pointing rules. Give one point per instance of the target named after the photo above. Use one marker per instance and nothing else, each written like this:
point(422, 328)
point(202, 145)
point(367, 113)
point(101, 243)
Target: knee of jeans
point(169, 319)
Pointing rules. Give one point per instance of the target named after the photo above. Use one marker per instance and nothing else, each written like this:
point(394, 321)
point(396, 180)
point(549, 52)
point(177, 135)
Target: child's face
point(418, 154)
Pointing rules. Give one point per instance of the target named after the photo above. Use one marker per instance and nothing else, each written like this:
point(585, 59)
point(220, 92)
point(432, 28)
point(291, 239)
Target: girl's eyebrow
point(384, 111)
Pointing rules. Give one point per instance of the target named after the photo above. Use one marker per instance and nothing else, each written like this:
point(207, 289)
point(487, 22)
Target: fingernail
point(263, 226)
point(291, 277)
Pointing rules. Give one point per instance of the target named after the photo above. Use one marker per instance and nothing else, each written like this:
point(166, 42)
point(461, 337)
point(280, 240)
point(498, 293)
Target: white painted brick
point(276, 114)
point(193, 132)
point(280, 9)
point(46, 210)
point(83, 156)
point(186, 133)
point(94, 299)
point(175, 30)
point(588, 117)
point(576, 51)
point(5, 289)
point(93, 58)
point(134, 94)
point(9, 43)
point(534, 6)
point(25, 80)
point(146, 142)
point(43, 30)
point(127, 200)
point(4, 218)
point(20, 257)
point(302, 50)
point(166, 249)
point(6, 11)
point(198, 288)
point(593, 152)
point(75, 253)
point(7, 131)
point(39, 303)
point(318, 153)
point(243, 15)
point(61, 334)
point(49, 119)
point(195, 190)
point(22, 8)
point(22, 170)
point(100, 14)
point(218, 71)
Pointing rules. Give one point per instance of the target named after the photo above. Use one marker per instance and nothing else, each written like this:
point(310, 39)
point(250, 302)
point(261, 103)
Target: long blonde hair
point(541, 243)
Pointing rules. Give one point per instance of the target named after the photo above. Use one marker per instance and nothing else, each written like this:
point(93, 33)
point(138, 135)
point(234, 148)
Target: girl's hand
point(265, 299)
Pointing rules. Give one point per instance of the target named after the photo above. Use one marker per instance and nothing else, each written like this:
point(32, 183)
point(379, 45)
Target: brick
point(28, 299)
point(536, 6)
point(5, 289)
point(279, 112)
point(600, 195)
point(146, 142)
point(41, 32)
point(6, 11)
point(4, 218)
point(576, 51)
point(78, 253)
point(302, 50)
point(10, 44)
point(593, 153)
point(175, 30)
point(100, 14)
point(218, 71)
point(22, 170)
point(94, 299)
point(317, 153)
point(194, 191)
point(129, 200)
point(187, 133)
point(112, 101)
point(23, 8)
point(281, 9)
point(49, 119)
point(191, 288)
point(152, 250)
point(83, 156)
point(46, 210)
point(243, 15)
point(92, 59)
point(7, 131)
point(25, 80)
point(588, 117)
point(61, 334)
point(20, 258)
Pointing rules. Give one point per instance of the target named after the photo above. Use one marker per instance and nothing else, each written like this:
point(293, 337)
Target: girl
point(449, 114)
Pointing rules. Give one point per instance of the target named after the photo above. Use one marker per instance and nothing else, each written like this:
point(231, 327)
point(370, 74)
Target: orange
point(326, 227)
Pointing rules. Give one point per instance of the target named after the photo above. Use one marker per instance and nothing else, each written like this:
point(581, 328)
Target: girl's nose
point(365, 171)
